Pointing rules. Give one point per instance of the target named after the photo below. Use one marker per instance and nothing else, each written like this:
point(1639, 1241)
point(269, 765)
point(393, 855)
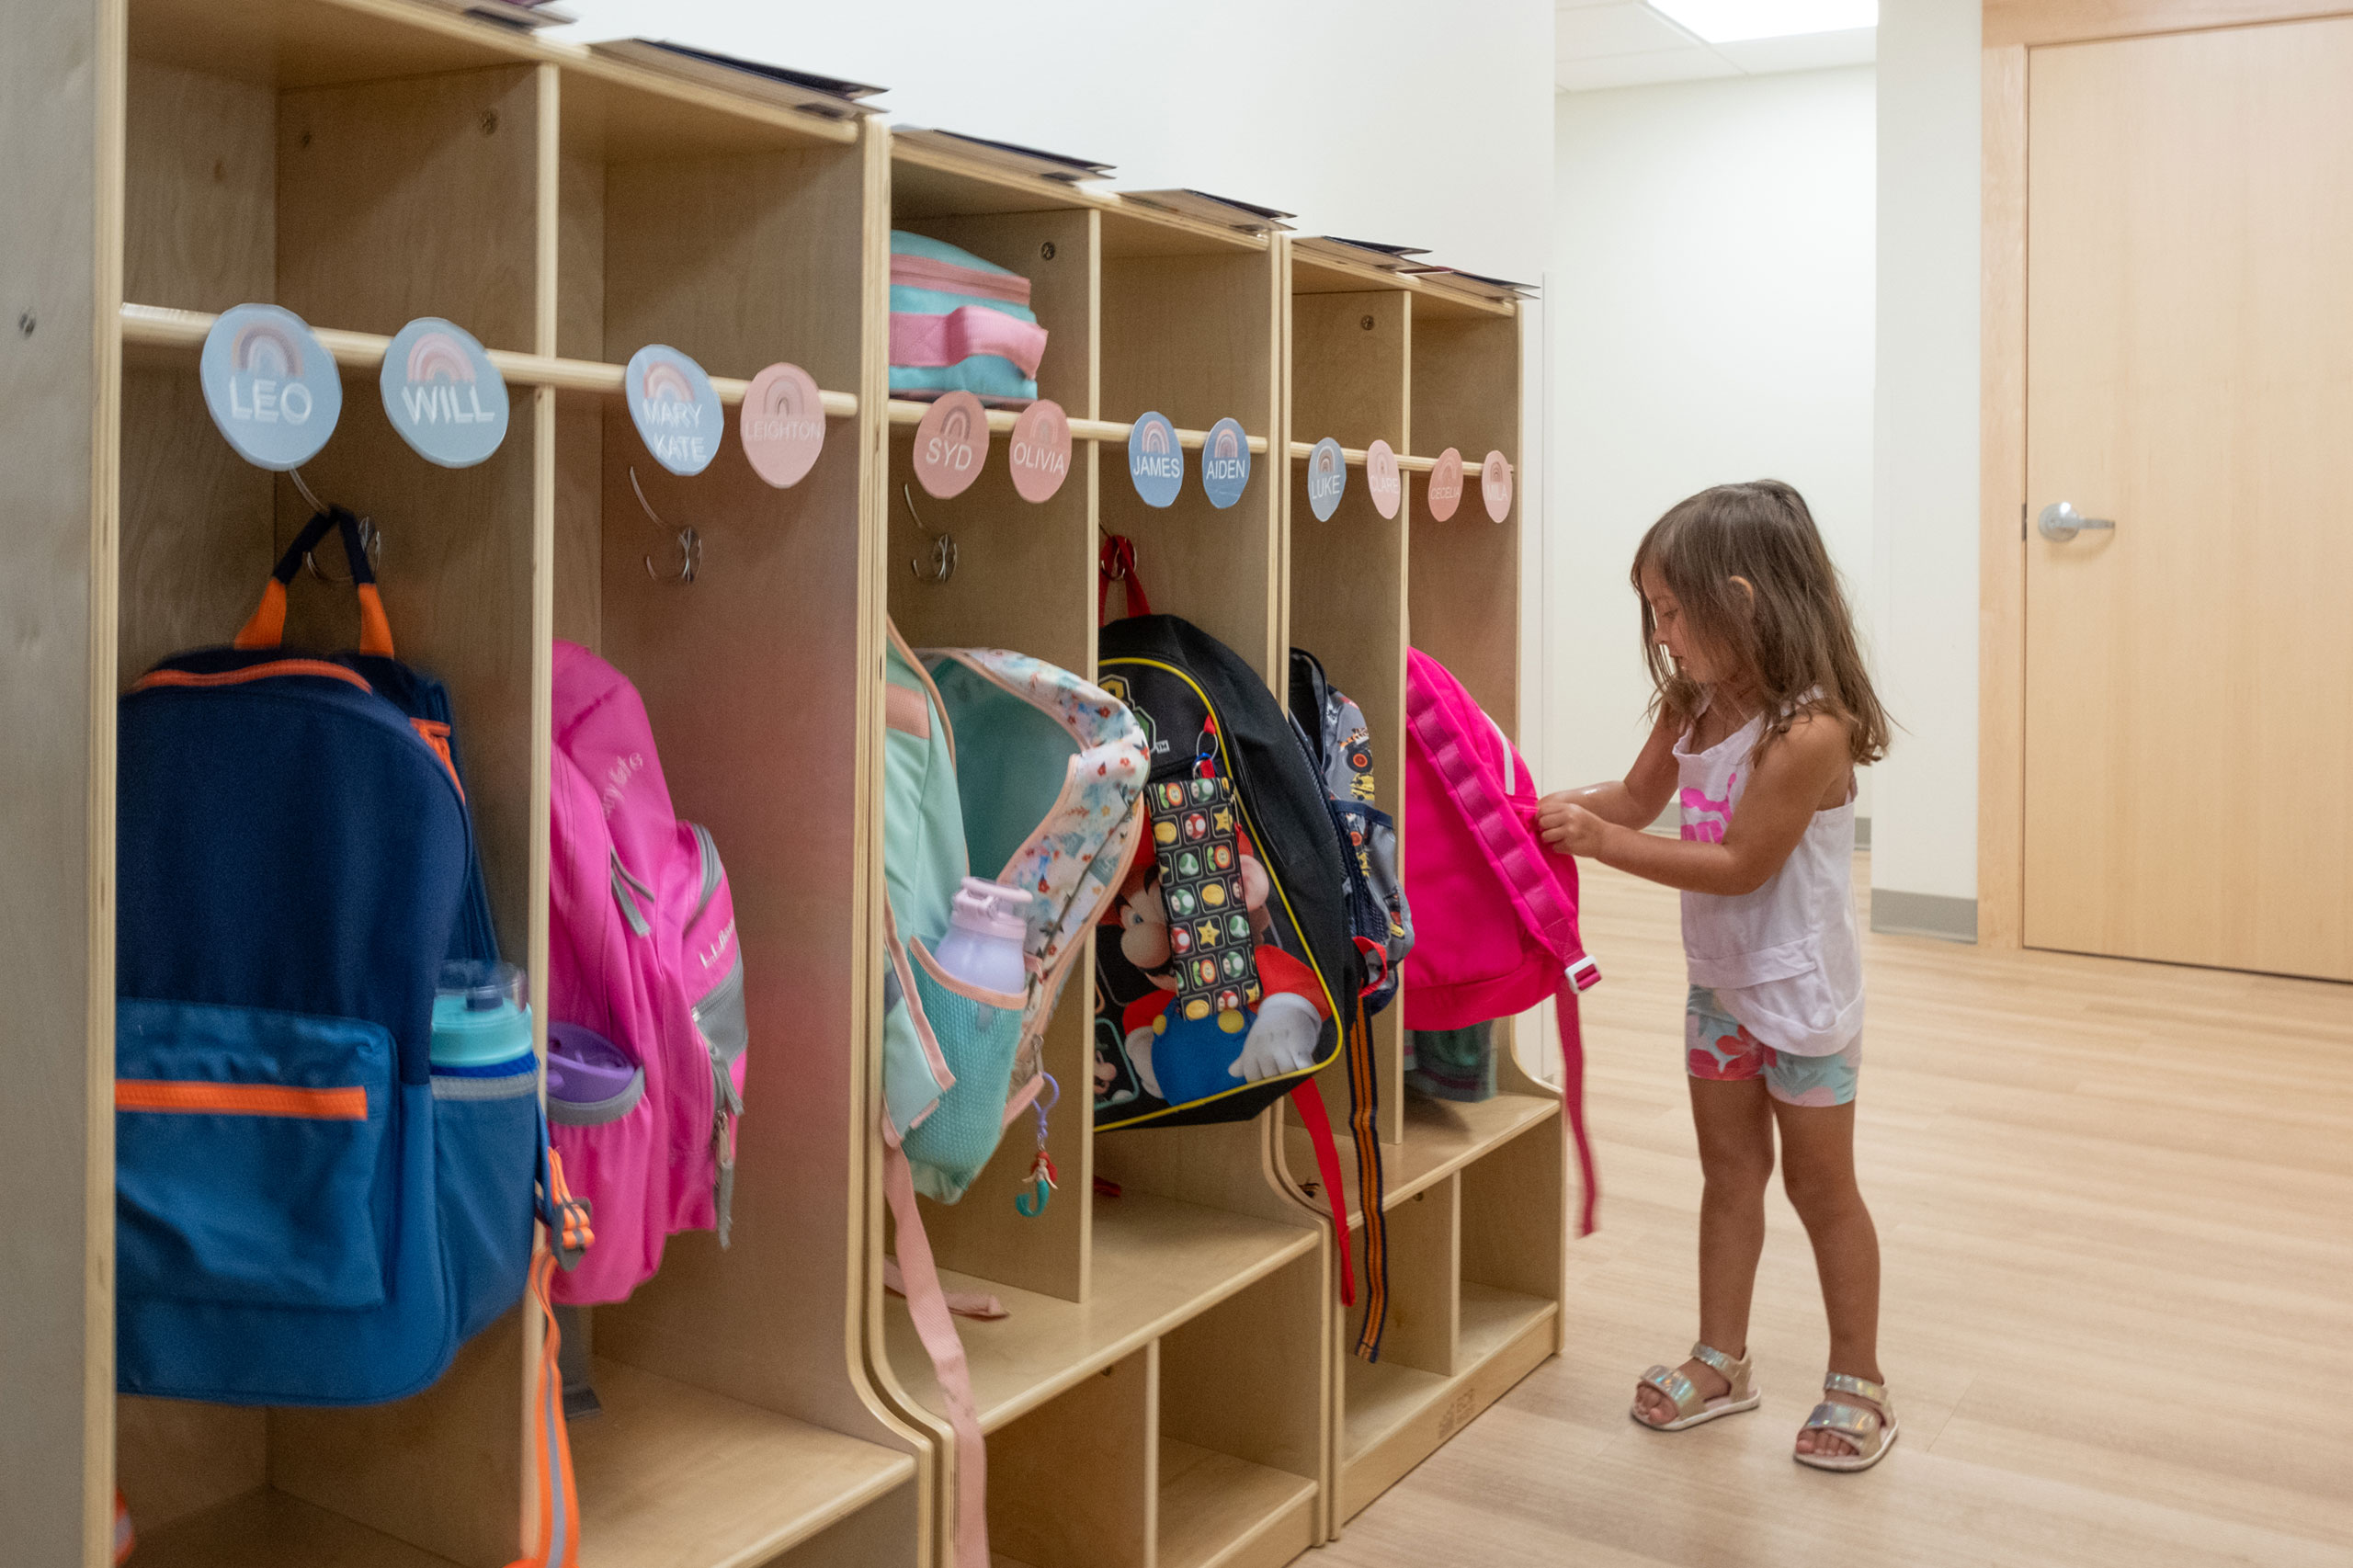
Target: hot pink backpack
point(645, 990)
point(1494, 912)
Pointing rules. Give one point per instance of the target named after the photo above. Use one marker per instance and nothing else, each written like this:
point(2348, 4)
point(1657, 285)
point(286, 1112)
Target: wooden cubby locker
point(364, 162)
point(1475, 1194)
point(1170, 1388)
point(1157, 1394)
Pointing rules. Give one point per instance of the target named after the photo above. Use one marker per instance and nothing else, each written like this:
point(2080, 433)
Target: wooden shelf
point(1383, 1397)
point(1398, 1415)
point(673, 1477)
point(1492, 1319)
point(1330, 274)
point(319, 43)
point(269, 1529)
point(1435, 301)
point(1156, 1264)
point(1441, 1137)
point(1219, 1510)
point(928, 180)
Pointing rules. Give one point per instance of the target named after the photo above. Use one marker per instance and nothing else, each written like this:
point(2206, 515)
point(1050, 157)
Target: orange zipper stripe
point(254, 672)
point(241, 1100)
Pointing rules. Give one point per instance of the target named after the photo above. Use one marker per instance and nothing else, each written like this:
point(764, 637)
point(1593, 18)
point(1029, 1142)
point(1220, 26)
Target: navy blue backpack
point(306, 1211)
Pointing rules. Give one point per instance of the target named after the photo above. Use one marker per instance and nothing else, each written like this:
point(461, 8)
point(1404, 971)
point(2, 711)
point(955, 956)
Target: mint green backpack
point(999, 766)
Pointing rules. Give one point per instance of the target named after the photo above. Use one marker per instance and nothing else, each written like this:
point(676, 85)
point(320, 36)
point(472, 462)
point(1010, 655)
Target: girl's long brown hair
point(1796, 633)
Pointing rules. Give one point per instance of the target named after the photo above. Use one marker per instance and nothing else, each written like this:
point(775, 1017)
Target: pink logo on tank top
point(1697, 804)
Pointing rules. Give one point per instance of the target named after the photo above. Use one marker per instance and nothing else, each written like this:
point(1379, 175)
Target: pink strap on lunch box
point(928, 341)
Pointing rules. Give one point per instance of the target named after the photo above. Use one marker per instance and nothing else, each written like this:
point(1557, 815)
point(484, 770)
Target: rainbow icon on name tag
point(442, 394)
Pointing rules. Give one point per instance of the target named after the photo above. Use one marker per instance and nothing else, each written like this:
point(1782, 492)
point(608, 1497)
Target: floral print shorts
point(1717, 1046)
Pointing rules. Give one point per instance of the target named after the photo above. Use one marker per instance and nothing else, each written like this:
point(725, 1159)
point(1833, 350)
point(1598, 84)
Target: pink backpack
point(645, 990)
point(1494, 912)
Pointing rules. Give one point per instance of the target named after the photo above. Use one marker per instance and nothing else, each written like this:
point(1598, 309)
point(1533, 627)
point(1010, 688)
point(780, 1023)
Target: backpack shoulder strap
point(928, 1305)
point(1498, 828)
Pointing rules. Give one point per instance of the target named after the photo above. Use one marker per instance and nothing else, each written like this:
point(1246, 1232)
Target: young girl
point(1764, 712)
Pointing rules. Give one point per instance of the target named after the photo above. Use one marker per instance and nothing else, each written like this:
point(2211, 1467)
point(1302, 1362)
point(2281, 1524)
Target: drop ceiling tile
point(1590, 32)
point(1807, 51)
point(1634, 70)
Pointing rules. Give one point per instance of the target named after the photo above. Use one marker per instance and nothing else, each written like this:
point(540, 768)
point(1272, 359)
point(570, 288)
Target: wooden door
point(2190, 375)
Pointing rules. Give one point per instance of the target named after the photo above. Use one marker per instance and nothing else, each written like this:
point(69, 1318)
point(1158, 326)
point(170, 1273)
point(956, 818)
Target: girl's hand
point(1568, 828)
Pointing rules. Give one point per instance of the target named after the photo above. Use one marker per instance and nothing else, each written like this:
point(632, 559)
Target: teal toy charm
point(1042, 1178)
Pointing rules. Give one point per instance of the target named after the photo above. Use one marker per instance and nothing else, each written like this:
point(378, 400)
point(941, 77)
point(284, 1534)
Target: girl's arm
point(1789, 785)
point(1636, 801)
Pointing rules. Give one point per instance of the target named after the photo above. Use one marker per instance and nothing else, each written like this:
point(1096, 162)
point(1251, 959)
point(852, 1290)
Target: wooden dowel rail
point(156, 326)
point(907, 411)
point(1354, 459)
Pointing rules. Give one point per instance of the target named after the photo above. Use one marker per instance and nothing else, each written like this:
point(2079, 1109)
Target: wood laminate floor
point(2116, 1201)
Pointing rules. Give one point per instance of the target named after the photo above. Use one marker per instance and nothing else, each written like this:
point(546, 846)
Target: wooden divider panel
point(752, 677)
point(1514, 1218)
point(1465, 590)
point(1024, 579)
point(1071, 1482)
point(1245, 1380)
point(199, 221)
point(1195, 337)
point(199, 231)
point(580, 417)
point(413, 198)
point(1425, 1259)
point(1025, 573)
point(1351, 363)
point(443, 173)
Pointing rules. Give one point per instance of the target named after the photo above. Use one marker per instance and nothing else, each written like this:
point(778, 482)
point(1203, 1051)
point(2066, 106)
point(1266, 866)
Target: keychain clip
point(1043, 1178)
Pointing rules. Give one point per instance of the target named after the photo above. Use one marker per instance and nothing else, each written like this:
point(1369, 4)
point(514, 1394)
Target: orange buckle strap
point(572, 1234)
point(558, 1538)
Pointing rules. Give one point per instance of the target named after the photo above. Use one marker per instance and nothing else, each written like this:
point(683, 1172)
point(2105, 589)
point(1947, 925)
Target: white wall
point(1924, 818)
point(1712, 316)
point(1381, 120)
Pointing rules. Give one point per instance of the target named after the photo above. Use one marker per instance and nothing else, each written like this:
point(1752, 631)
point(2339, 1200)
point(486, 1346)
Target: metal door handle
point(2061, 522)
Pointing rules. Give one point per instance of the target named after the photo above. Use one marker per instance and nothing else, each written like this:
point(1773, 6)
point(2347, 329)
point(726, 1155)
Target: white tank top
point(1784, 959)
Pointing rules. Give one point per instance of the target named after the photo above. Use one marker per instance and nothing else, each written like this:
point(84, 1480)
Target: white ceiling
point(1622, 43)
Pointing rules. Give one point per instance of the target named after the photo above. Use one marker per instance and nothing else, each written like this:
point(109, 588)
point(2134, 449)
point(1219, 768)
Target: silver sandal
point(1872, 1432)
point(1691, 1409)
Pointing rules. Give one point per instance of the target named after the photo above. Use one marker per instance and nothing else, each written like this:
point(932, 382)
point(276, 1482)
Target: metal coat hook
point(943, 546)
point(371, 538)
point(689, 542)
